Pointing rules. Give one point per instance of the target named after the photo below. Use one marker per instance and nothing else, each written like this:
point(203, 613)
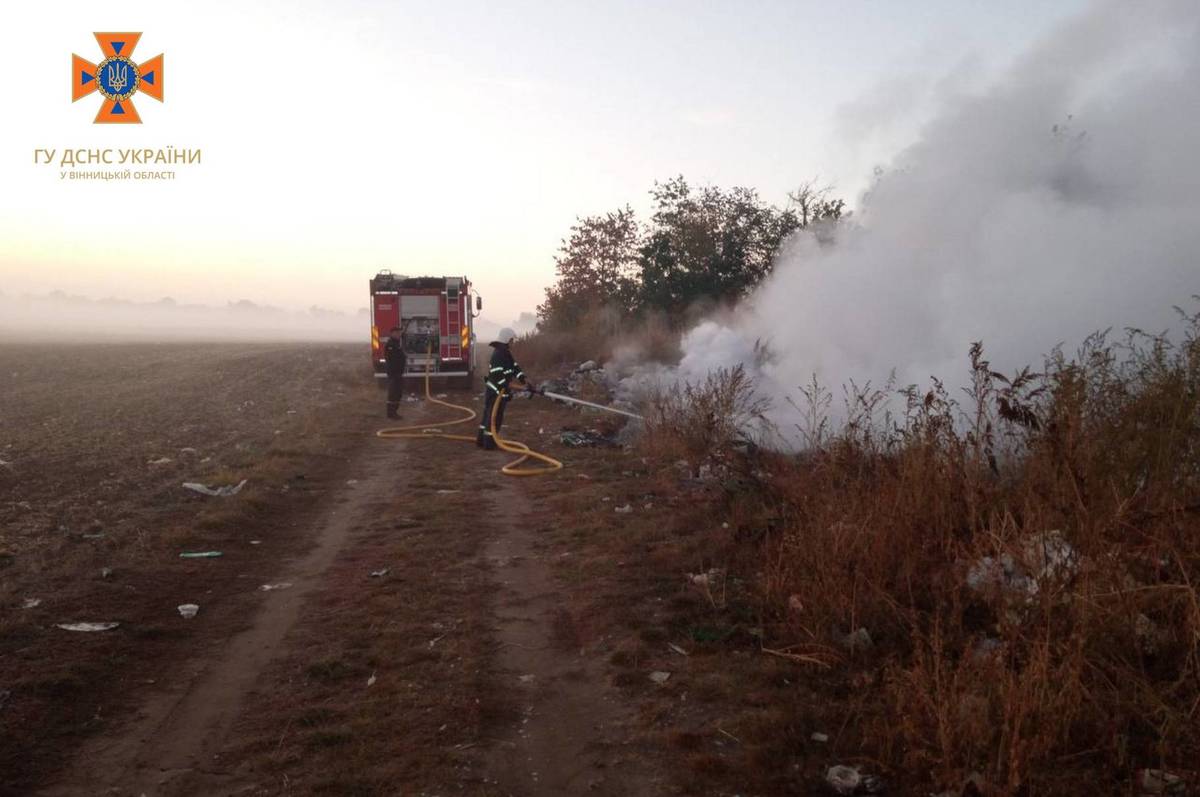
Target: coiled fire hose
point(436, 431)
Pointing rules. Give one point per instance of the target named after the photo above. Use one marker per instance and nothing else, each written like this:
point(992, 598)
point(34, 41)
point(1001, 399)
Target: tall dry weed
point(1025, 559)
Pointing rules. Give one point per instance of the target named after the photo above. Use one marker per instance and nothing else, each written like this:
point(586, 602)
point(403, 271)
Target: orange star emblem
point(117, 77)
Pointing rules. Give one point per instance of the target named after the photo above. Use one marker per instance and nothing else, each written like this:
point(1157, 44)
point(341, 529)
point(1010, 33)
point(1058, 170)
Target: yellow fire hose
point(435, 431)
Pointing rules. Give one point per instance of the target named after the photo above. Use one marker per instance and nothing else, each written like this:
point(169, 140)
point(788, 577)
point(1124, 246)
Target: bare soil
point(462, 666)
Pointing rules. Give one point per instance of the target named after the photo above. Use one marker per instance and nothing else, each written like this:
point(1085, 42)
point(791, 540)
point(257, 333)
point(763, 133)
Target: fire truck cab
point(437, 317)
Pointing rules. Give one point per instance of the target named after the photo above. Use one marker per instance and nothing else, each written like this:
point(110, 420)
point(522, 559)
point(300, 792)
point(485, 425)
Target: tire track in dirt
point(572, 735)
point(172, 742)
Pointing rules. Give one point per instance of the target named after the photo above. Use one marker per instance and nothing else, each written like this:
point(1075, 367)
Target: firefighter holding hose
point(502, 370)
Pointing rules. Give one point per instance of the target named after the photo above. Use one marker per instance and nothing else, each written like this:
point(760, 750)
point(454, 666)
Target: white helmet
point(503, 337)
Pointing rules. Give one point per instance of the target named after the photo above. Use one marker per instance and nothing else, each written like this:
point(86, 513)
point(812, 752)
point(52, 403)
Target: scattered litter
point(660, 677)
point(725, 525)
point(5, 464)
point(624, 510)
point(583, 439)
point(857, 640)
point(795, 604)
point(436, 640)
point(105, 572)
point(221, 492)
point(31, 603)
point(86, 626)
point(677, 649)
point(527, 679)
point(256, 542)
point(380, 573)
point(273, 587)
point(986, 648)
point(160, 461)
point(199, 554)
point(188, 610)
point(351, 482)
point(1159, 781)
point(851, 780)
point(441, 395)
point(187, 450)
point(1041, 558)
point(705, 579)
point(584, 367)
point(648, 507)
point(371, 680)
point(606, 499)
point(446, 492)
point(820, 738)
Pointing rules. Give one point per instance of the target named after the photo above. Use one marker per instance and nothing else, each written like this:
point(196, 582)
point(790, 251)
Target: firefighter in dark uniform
point(393, 354)
point(502, 370)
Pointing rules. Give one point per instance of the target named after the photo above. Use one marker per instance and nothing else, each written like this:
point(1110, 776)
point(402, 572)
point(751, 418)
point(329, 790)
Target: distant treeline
point(700, 248)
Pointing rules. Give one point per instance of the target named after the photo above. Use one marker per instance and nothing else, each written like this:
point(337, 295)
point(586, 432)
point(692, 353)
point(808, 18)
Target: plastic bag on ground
point(221, 492)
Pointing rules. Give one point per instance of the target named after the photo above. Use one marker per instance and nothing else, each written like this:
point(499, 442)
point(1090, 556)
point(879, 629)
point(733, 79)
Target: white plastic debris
point(31, 603)
point(852, 780)
point(624, 510)
point(705, 579)
point(1040, 559)
point(160, 461)
point(371, 680)
point(273, 587)
point(677, 649)
point(1159, 781)
point(188, 610)
point(584, 367)
point(843, 779)
point(820, 738)
point(187, 450)
point(380, 573)
point(105, 572)
point(527, 679)
point(660, 677)
point(5, 464)
point(222, 492)
point(446, 492)
point(87, 626)
point(351, 482)
point(857, 641)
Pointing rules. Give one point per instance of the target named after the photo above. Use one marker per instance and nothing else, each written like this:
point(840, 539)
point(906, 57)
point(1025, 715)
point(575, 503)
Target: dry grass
point(600, 335)
point(1064, 677)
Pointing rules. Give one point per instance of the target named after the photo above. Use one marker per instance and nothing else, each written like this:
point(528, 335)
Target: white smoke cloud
point(1061, 199)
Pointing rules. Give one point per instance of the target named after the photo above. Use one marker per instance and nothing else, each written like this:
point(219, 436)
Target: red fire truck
point(438, 318)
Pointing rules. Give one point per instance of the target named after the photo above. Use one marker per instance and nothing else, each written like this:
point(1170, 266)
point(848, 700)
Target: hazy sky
point(340, 138)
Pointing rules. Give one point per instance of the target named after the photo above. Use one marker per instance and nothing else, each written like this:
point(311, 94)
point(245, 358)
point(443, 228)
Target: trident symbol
point(118, 77)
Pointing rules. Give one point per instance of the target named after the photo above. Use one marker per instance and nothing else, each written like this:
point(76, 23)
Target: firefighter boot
point(392, 407)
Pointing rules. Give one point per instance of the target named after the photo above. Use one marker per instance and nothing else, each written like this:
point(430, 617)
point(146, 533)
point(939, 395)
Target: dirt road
point(419, 646)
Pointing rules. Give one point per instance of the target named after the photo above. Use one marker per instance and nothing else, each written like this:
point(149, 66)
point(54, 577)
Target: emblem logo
point(117, 78)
